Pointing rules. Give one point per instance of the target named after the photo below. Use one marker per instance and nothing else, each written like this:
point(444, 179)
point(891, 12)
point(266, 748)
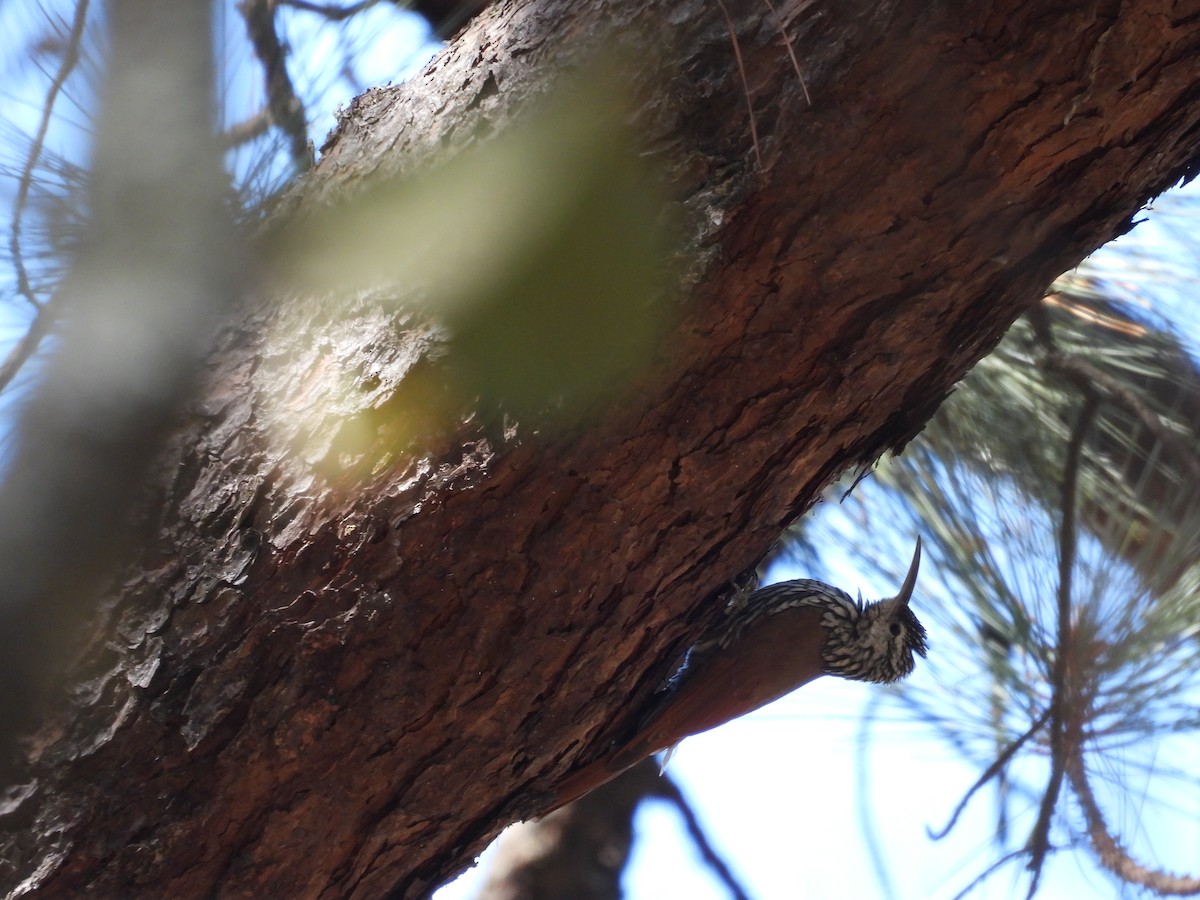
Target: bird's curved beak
point(910, 580)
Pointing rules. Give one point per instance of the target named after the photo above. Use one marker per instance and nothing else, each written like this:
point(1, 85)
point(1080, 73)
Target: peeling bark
point(323, 683)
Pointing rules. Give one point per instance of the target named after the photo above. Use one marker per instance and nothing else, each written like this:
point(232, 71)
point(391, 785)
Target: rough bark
point(342, 685)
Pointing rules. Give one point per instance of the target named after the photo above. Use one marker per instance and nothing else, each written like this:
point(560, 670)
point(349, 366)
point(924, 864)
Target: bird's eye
point(894, 628)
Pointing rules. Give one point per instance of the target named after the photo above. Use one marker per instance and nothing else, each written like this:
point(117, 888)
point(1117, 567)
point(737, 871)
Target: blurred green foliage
point(543, 252)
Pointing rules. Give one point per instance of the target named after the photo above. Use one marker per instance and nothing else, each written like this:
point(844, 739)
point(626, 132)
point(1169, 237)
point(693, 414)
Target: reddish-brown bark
point(342, 685)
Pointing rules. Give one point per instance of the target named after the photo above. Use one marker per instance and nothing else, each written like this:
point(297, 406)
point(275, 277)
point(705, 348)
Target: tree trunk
point(343, 684)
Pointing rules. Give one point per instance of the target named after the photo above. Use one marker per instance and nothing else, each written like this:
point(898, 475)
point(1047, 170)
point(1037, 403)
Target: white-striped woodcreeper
point(769, 643)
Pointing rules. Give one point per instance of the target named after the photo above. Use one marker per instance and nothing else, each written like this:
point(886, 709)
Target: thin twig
point(791, 52)
point(737, 54)
point(329, 10)
point(1039, 839)
point(28, 343)
point(669, 791)
point(986, 873)
point(69, 60)
point(991, 772)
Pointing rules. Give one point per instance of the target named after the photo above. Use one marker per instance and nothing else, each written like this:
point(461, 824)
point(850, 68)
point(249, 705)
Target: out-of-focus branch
point(1081, 372)
point(668, 790)
point(70, 58)
point(445, 16)
point(285, 106)
point(577, 851)
point(330, 11)
point(1060, 702)
point(580, 850)
point(29, 342)
point(996, 768)
point(155, 272)
point(248, 129)
point(1108, 849)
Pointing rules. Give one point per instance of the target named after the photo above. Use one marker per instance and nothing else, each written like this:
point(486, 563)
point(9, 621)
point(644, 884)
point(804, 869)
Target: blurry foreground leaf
point(541, 251)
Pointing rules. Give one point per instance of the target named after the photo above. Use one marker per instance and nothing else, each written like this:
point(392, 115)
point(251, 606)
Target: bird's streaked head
point(877, 641)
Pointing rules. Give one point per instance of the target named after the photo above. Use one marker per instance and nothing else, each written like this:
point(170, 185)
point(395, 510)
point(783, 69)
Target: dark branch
point(1039, 840)
point(991, 772)
point(286, 107)
point(669, 791)
point(986, 873)
point(330, 11)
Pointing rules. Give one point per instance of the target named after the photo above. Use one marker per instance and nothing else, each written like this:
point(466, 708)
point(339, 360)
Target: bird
point(769, 642)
